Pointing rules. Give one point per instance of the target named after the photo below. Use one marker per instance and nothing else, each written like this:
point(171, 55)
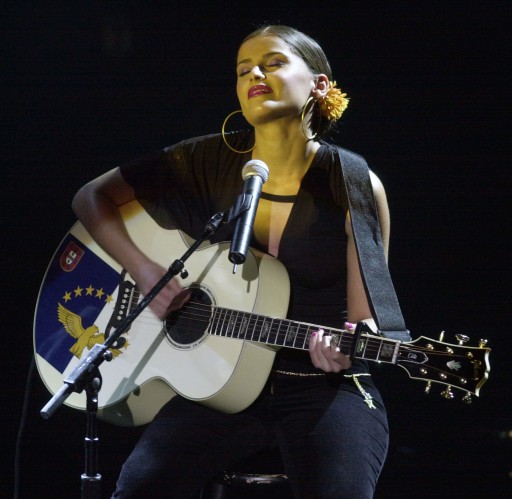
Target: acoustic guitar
point(219, 348)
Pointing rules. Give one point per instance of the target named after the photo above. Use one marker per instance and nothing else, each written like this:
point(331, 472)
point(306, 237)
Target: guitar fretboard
point(292, 334)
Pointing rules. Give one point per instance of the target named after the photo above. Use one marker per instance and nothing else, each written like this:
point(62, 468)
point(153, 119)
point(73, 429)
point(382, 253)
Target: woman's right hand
point(97, 206)
point(171, 297)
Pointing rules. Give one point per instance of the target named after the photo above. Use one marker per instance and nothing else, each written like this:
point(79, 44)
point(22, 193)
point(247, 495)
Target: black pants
point(333, 444)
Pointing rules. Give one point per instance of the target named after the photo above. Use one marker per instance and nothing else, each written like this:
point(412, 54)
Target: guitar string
point(372, 346)
point(195, 311)
point(203, 315)
point(345, 343)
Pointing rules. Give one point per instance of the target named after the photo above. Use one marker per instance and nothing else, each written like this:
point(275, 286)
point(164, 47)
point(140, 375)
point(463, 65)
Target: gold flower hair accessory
point(334, 102)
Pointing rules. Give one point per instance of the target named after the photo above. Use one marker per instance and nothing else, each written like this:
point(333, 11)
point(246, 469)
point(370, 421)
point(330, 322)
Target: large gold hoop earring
point(304, 111)
point(224, 134)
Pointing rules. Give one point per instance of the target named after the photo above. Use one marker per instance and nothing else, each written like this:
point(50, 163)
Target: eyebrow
point(268, 54)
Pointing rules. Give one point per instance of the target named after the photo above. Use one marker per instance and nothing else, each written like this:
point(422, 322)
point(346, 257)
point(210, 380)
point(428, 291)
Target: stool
point(261, 476)
point(232, 484)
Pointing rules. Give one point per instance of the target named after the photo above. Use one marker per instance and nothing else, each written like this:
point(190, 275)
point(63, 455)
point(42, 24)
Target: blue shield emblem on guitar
point(77, 299)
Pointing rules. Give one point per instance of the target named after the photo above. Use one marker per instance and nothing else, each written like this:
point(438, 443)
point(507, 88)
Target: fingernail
point(313, 333)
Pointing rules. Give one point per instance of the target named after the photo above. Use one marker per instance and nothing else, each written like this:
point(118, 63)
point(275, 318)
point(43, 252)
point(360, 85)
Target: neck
point(287, 153)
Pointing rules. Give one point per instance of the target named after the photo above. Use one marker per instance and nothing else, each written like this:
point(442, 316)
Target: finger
point(179, 300)
point(324, 354)
point(334, 359)
point(315, 349)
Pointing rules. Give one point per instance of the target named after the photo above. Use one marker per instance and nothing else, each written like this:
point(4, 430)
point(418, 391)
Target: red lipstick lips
point(258, 90)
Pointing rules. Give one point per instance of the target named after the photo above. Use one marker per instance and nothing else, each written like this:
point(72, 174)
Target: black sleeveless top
point(182, 186)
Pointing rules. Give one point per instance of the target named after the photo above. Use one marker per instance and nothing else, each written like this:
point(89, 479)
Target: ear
point(321, 86)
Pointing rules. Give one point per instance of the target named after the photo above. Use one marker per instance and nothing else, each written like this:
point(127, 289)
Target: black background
point(88, 85)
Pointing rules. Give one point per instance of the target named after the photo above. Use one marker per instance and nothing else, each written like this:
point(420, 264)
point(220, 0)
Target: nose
point(257, 73)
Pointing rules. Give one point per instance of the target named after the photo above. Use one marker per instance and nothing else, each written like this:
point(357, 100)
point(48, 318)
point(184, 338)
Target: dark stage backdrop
point(88, 85)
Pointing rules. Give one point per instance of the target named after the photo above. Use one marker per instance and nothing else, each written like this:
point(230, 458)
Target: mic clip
point(242, 204)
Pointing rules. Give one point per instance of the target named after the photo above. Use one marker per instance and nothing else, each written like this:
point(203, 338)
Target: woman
point(319, 408)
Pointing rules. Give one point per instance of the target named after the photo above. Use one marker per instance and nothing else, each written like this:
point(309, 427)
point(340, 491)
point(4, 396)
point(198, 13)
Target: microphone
point(255, 174)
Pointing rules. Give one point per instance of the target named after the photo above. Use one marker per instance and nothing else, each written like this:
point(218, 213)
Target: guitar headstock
point(453, 365)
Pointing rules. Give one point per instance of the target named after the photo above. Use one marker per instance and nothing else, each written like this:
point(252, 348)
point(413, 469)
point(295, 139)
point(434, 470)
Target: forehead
point(261, 45)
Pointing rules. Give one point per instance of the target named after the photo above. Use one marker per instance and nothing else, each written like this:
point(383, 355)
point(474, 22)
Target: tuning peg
point(462, 338)
point(428, 387)
point(441, 336)
point(467, 399)
point(482, 343)
point(447, 393)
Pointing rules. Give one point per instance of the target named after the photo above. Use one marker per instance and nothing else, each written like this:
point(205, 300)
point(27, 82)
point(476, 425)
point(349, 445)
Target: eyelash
point(270, 65)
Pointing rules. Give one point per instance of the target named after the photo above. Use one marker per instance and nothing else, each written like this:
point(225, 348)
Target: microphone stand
point(87, 375)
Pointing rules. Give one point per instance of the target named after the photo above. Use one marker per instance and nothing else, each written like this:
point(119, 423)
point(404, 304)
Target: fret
point(276, 326)
point(226, 323)
point(265, 327)
point(231, 326)
point(240, 325)
point(379, 350)
point(211, 322)
point(363, 342)
point(360, 347)
point(350, 339)
point(280, 337)
point(256, 320)
point(272, 334)
point(371, 354)
point(217, 321)
point(244, 325)
point(255, 335)
point(290, 335)
point(307, 332)
point(389, 351)
point(254, 325)
point(222, 322)
point(235, 321)
point(227, 326)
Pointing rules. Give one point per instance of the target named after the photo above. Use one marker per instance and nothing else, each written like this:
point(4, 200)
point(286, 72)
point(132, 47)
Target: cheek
point(298, 86)
point(239, 91)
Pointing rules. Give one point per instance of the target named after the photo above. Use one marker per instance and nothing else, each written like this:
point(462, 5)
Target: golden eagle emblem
point(85, 338)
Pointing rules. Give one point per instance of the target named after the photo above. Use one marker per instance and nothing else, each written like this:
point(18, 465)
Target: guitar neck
point(292, 334)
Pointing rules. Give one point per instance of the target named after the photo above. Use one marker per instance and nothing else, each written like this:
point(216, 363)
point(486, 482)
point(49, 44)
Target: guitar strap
point(367, 235)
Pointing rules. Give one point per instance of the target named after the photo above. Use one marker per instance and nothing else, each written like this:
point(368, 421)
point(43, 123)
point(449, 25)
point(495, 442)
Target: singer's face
point(272, 82)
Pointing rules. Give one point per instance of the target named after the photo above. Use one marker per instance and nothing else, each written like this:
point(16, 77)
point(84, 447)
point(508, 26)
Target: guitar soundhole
point(188, 327)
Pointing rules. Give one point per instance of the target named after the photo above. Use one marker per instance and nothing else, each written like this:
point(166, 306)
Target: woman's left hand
point(327, 357)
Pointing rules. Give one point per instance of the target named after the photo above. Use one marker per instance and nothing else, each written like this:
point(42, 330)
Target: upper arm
point(110, 187)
